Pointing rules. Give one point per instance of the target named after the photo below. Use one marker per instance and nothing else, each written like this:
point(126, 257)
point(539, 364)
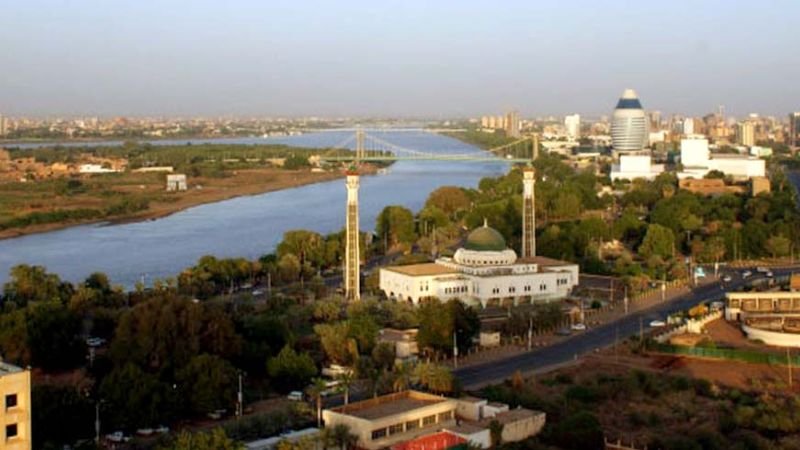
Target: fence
point(690, 326)
point(609, 445)
point(747, 356)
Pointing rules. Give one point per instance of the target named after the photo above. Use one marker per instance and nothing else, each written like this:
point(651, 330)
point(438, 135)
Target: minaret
point(352, 263)
point(528, 213)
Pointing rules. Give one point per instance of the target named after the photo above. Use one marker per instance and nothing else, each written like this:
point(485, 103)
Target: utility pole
point(625, 300)
point(455, 351)
point(641, 330)
point(239, 399)
point(663, 288)
point(97, 423)
point(789, 363)
point(530, 332)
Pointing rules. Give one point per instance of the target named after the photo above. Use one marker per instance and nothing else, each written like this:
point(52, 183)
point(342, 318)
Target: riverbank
point(478, 138)
point(202, 190)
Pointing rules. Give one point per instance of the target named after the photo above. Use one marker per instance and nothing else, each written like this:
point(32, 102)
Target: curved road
point(477, 376)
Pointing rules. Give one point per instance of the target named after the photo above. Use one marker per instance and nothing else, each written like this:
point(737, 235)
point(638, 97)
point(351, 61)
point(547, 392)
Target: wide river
point(248, 226)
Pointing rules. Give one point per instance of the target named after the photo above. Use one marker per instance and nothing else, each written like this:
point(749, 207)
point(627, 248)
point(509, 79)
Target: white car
point(579, 327)
point(295, 396)
point(747, 274)
point(657, 324)
point(116, 436)
point(769, 274)
point(727, 278)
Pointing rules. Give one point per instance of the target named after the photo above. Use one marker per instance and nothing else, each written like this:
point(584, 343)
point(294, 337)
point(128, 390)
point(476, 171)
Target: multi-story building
point(794, 130)
point(573, 125)
point(15, 407)
point(746, 134)
point(512, 124)
point(629, 128)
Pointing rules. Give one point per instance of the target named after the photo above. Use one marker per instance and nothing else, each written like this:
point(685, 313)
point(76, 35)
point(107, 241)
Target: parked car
point(769, 274)
point(295, 396)
point(657, 324)
point(747, 274)
point(727, 278)
point(579, 327)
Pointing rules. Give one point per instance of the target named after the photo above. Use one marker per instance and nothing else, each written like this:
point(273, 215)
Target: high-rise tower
point(528, 213)
point(629, 129)
point(352, 261)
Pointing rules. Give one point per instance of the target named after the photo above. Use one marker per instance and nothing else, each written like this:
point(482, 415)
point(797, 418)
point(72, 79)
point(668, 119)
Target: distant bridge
point(370, 148)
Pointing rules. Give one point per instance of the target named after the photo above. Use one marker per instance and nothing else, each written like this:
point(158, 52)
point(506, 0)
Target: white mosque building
point(485, 272)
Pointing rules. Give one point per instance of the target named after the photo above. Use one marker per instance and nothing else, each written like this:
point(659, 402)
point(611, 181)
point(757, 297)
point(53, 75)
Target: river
point(247, 226)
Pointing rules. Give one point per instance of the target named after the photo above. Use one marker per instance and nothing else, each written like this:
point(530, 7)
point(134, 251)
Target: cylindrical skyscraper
point(352, 257)
point(629, 130)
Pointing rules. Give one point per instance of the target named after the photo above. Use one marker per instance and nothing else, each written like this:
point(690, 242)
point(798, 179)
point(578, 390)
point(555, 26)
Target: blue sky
point(389, 58)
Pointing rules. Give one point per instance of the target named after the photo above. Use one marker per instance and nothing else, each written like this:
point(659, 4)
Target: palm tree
point(496, 433)
point(315, 390)
point(341, 435)
point(346, 380)
point(403, 374)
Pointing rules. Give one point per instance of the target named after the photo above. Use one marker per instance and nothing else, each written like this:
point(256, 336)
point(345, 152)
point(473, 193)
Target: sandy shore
point(211, 190)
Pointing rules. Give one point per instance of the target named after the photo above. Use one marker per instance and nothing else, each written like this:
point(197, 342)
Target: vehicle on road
point(657, 324)
point(762, 269)
point(295, 396)
point(747, 274)
point(257, 292)
point(769, 274)
point(727, 278)
point(579, 327)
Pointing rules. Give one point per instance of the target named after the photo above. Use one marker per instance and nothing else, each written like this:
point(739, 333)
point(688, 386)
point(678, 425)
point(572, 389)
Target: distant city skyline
point(395, 59)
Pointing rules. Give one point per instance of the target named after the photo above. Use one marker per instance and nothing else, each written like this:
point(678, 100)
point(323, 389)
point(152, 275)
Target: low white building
point(698, 161)
point(95, 168)
point(633, 166)
point(176, 182)
point(484, 272)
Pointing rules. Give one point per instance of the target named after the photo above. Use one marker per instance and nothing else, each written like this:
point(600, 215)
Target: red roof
point(436, 441)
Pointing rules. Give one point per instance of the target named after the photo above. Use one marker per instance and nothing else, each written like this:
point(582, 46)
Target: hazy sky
point(388, 58)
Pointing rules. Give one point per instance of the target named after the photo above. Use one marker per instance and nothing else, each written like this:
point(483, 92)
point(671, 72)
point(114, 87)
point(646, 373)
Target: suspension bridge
point(371, 148)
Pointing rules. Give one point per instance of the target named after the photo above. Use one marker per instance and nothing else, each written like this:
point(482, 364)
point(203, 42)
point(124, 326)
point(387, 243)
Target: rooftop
point(389, 405)
point(422, 269)
point(512, 416)
point(7, 369)
point(544, 261)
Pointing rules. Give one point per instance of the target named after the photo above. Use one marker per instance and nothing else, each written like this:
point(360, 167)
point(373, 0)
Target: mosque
point(485, 272)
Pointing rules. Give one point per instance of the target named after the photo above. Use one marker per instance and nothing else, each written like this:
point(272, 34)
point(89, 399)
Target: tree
point(403, 376)
point(658, 241)
point(166, 331)
point(315, 391)
point(383, 355)
point(449, 199)
point(207, 383)
point(54, 336)
point(579, 431)
point(778, 246)
point(213, 440)
point(341, 436)
point(291, 369)
point(346, 380)
point(34, 283)
point(53, 427)
point(435, 377)
point(439, 321)
point(135, 399)
point(336, 342)
point(396, 224)
point(496, 433)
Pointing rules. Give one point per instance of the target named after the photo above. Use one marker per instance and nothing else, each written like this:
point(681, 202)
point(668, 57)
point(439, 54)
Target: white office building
point(698, 161)
point(572, 123)
point(633, 166)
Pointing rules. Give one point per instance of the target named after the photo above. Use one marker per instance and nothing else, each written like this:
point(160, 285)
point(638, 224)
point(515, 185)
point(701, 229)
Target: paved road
point(477, 376)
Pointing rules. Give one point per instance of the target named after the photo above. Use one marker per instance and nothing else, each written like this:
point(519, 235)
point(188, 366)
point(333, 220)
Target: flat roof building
point(15, 407)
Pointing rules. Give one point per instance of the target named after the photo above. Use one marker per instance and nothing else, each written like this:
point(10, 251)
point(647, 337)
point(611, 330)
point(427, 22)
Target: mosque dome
point(485, 238)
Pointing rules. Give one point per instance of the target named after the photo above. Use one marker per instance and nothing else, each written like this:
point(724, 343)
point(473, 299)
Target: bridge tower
point(352, 261)
point(528, 213)
point(360, 154)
